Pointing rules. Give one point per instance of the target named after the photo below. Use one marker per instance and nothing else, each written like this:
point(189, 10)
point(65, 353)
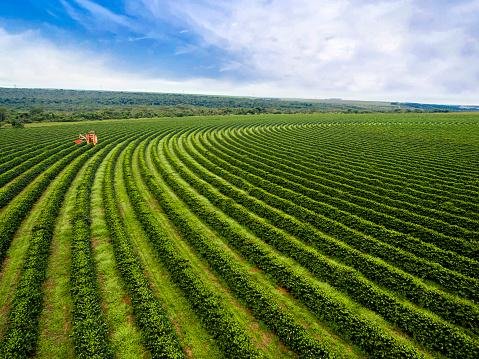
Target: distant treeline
point(19, 106)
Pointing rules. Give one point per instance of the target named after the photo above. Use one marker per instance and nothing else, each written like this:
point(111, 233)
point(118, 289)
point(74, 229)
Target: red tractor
point(89, 138)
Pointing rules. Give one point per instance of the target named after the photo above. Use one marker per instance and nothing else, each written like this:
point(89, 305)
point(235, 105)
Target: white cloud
point(96, 17)
point(397, 50)
point(103, 13)
point(393, 49)
point(31, 61)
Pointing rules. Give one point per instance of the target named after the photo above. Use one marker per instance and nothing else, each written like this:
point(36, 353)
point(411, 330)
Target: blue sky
point(425, 51)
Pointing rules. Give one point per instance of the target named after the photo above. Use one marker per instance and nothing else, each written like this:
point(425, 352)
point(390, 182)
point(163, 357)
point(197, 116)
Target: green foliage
point(255, 201)
point(17, 123)
point(35, 105)
point(217, 319)
point(367, 224)
point(12, 216)
point(22, 333)
point(158, 333)
point(3, 115)
point(90, 333)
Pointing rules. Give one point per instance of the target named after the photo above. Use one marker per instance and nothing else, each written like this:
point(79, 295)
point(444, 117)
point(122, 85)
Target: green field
point(326, 235)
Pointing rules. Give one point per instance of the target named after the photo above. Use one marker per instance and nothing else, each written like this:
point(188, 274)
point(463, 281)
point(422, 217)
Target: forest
point(18, 106)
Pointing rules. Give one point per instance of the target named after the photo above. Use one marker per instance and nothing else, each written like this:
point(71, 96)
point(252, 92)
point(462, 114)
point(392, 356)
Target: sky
point(392, 50)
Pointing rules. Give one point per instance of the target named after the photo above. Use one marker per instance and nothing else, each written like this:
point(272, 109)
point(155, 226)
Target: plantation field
point(274, 236)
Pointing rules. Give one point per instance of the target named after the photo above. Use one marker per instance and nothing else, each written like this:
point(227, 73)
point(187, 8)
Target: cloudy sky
point(421, 51)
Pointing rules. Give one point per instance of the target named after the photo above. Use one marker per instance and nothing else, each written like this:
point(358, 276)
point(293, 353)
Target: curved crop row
point(329, 235)
point(14, 214)
point(20, 147)
point(19, 183)
point(375, 179)
point(28, 162)
point(90, 333)
point(357, 329)
point(339, 209)
point(416, 266)
point(217, 319)
point(433, 219)
point(299, 139)
point(20, 157)
point(390, 162)
point(448, 307)
point(290, 178)
point(429, 332)
point(21, 336)
point(157, 330)
point(381, 181)
point(263, 307)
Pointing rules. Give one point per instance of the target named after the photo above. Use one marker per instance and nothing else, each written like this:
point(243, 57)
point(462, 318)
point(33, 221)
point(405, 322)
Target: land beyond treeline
point(19, 105)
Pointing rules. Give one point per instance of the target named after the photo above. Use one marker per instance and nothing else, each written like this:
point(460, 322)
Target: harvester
point(89, 138)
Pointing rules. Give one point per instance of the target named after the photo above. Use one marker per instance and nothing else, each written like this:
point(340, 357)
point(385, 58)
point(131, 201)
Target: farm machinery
point(90, 138)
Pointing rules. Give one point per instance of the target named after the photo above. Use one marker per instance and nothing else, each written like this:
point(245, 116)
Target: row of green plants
point(314, 170)
point(9, 191)
point(18, 156)
point(21, 336)
point(22, 141)
point(395, 150)
point(425, 329)
point(422, 268)
point(89, 328)
point(358, 330)
point(28, 161)
point(20, 145)
point(459, 226)
point(331, 204)
point(13, 215)
point(332, 161)
point(157, 331)
point(218, 319)
point(450, 308)
point(308, 185)
point(388, 177)
point(262, 305)
point(395, 180)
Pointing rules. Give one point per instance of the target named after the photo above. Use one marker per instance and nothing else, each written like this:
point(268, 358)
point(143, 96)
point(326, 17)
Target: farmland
point(323, 235)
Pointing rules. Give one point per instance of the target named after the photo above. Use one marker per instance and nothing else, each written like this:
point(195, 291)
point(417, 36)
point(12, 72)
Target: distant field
point(273, 236)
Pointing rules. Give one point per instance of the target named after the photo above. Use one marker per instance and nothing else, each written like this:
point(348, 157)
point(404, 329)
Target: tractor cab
point(90, 138)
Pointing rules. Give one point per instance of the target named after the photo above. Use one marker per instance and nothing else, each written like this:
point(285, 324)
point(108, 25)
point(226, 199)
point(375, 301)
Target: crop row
point(355, 167)
point(215, 316)
point(157, 331)
point(13, 215)
point(345, 188)
point(9, 163)
point(456, 311)
point(22, 331)
point(239, 281)
point(310, 186)
point(28, 163)
point(428, 331)
point(358, 330)
point(19, 183)
point(342, 160)
point(20, 147)
point(319, 217)
point(309, 198)
point(90, 332)
point(379, 180)
point(389, 156)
